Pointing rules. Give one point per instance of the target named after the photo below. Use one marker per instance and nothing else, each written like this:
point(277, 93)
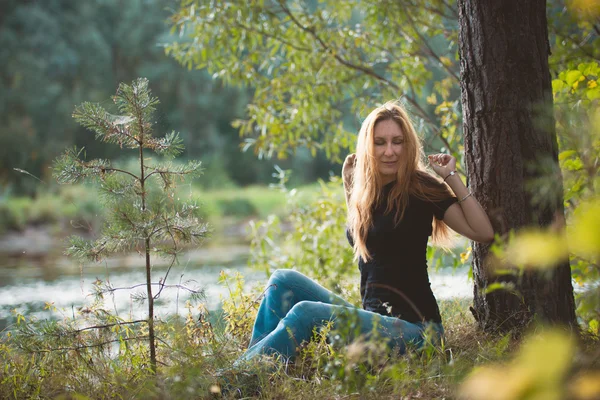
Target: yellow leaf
point(536, 372)
point(464, 257)
point(536, 249)
point(592, 84)
point(548, 354)
point(491, 383)
point(586, 386)
point(593, 326)
point(585, 9)
point(584, 233)
point(446, 61)
point(432, 99)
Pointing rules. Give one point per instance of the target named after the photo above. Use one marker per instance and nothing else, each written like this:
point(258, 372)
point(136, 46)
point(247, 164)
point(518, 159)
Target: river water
point(28, 286)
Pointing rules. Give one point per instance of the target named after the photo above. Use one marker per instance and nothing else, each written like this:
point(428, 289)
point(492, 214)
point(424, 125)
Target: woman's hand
point(348, 169)
point(442, 164)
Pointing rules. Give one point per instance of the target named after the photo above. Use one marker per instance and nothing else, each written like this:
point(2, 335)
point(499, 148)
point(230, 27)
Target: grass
point(190, 358)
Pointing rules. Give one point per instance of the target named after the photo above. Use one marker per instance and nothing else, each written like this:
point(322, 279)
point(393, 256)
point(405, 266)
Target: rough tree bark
point(508, 127)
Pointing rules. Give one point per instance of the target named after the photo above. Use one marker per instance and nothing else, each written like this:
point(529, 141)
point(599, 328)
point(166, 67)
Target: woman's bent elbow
point(486, 238)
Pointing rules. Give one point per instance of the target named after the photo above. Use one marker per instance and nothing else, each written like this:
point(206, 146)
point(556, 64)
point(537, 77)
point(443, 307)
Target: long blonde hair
point(412, 179)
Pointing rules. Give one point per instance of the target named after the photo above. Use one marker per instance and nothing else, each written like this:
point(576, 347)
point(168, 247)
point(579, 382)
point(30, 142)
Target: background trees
point(57, 54)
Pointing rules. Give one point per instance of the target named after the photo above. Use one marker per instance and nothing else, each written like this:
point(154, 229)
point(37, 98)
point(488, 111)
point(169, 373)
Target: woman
point(394, 205)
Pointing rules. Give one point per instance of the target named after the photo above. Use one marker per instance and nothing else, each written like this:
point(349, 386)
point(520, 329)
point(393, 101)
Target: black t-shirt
point(395, 281)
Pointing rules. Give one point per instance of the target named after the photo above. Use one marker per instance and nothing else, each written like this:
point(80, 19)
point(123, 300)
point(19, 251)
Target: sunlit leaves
point(532, 249)
point(584, 237)
point(537, 373)
point(311, 64)
point(239, 308)
point(585, 9)
point(584, 79)
point(577, 98)
point(544, 249)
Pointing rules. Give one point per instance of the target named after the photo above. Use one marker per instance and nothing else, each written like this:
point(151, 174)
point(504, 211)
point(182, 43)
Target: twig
point(48, 350)
point(143, 284)
point(106, 326)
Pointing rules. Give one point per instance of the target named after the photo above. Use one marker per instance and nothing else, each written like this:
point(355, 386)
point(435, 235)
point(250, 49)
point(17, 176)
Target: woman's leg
point(285, 289)
point(298, 325)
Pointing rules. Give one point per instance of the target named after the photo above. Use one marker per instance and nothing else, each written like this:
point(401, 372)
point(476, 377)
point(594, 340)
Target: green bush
point(240, 207)
point(14, 213)
point(77, 205)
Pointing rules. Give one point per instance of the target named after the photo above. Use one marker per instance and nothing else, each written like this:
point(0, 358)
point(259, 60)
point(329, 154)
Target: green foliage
point(315, 242)
point(239, 308)
point(577, 97)
point(227, 207)
point(240, 207)
point(137, 210)
point(315, 66)
point(574, 38)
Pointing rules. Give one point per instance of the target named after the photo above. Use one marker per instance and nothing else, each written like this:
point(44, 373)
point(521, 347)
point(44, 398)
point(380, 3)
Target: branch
point(48, 350)
point(160, 171)
point(430, 50)
point(361, 68)
point(74, 332)
point(122, 171)
point(263, 33)
point(162, 286)
point(575, 42)
point(113, 289)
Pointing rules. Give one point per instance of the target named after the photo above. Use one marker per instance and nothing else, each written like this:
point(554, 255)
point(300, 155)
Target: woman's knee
point(285, 276)
point(310, 312)
point(302, 316)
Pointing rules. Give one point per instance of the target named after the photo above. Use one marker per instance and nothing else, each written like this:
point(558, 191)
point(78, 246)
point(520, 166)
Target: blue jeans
point(294, 304)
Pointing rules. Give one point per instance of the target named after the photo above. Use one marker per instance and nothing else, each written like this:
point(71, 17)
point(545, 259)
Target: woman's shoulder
point(428, 180)
point(431, 189)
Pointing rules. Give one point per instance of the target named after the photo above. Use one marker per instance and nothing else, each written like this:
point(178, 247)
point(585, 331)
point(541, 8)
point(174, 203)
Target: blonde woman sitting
point(394, 205)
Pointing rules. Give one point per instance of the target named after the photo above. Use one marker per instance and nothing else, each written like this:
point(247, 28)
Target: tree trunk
point(508, 129)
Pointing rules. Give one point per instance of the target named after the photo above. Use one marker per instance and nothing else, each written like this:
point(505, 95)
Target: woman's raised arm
point(466, 217)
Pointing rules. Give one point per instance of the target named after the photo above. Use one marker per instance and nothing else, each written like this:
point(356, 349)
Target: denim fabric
point(293, 305)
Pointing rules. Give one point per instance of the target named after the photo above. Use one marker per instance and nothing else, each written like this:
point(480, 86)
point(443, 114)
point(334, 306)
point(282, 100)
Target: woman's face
point(388, 141)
